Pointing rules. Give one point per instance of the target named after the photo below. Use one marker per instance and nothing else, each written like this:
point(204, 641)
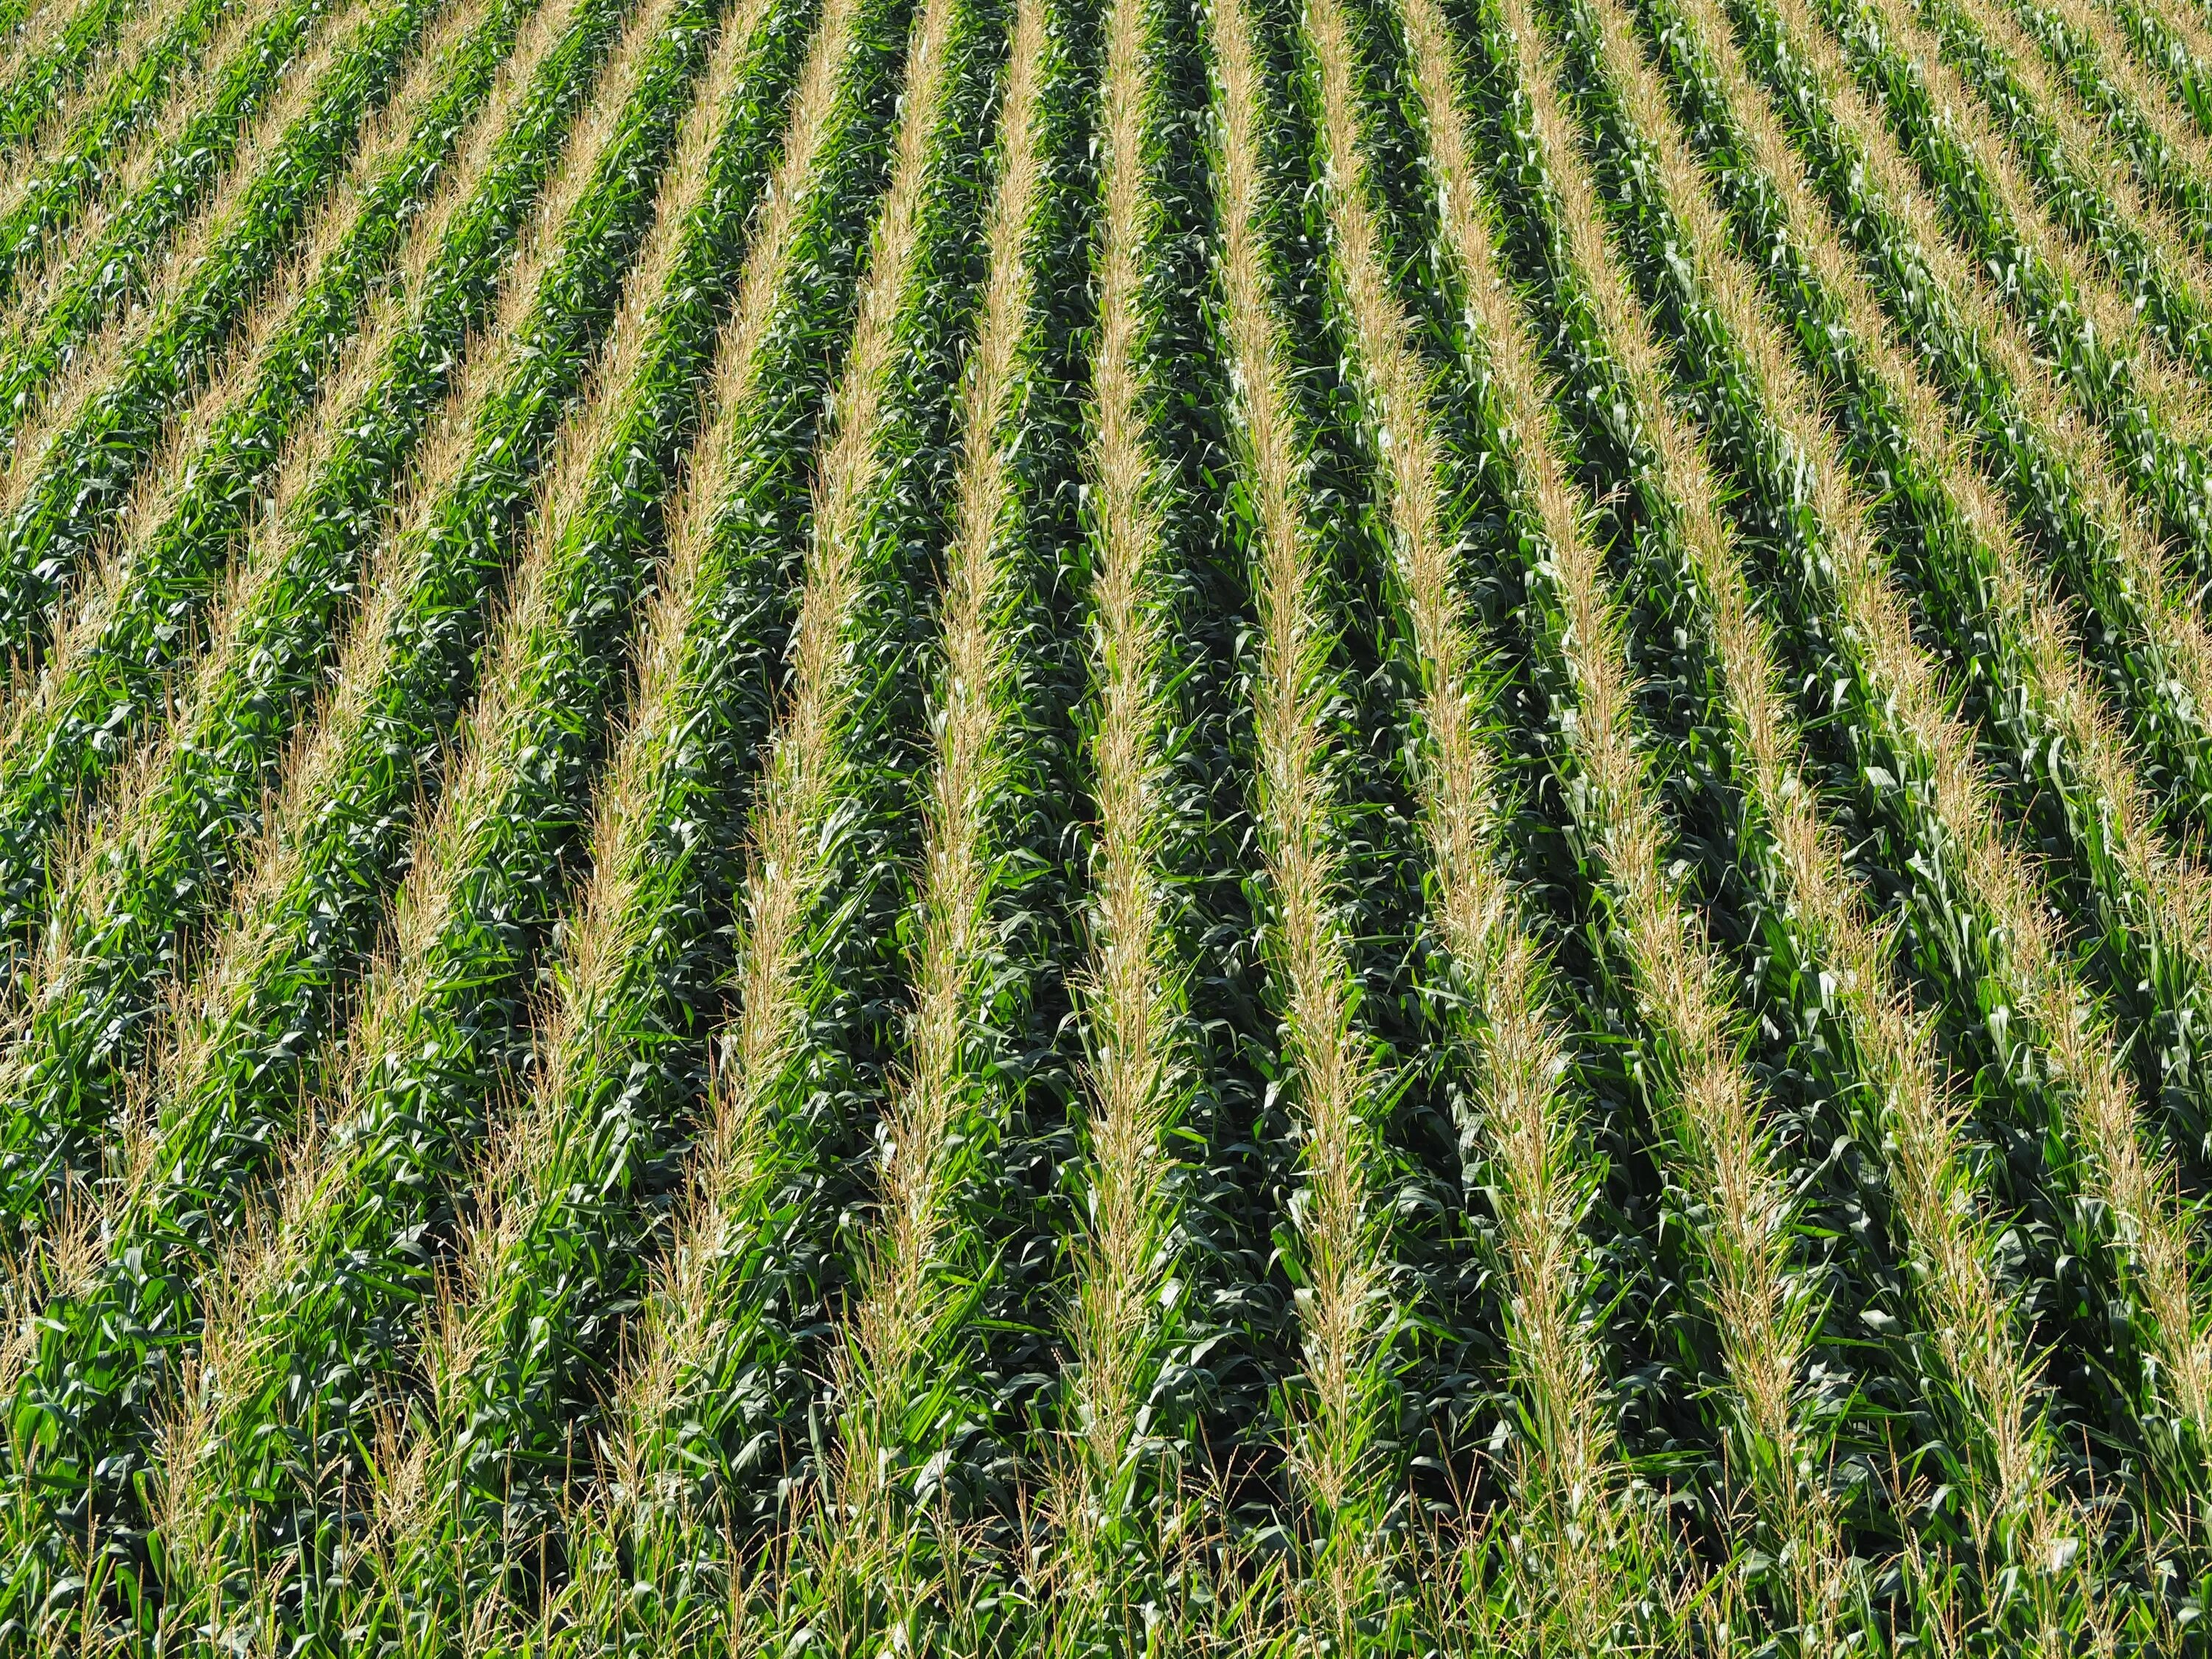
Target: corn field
point(1104, 831)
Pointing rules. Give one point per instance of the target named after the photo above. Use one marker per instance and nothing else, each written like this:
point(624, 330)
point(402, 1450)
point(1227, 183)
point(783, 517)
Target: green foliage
point(35, 85)
point(108, 696)
point(217, 771)
point(87, 468)
point(89, 159)
point(409, 1248)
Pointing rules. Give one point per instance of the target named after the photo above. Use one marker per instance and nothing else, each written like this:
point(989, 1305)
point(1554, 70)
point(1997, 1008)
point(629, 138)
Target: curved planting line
point(315, 899)
point(111, 1227)
point(2030, 968)
point(62, 494)
point(308, 917)
point(1990, 1372)
point(56, 54)
point(447, 1019)
point(344, 825)
point(1591, 1551)
point(2175, 44)
point(1707, 1101)
point(159, 593)
point(141, 888)
point(711, 1345)
point(666, 821)
point(2081, 173)
point(221, 111)
point(2068, 480)
point(2024, 972)
point(904, 1333)
point(2068, 489)
point(287, 110)
point(1576, 1585)
point(2089, 767)
point(1985, 576)
point(1344, 1311)
point(100, 368)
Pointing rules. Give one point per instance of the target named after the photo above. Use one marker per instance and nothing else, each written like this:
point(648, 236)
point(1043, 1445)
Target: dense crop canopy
point(1105, 827)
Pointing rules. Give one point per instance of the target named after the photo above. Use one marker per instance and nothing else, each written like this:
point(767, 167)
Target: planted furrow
point(1570, 1484)
point(137, 892)
point(66, 483)
point(151, 92)
point(1573, 1482)
point(2066, 480)
point(1345, 1481)
point(903, 1345)
point(2081, 173)
point(310, 913)
point(2049, 715)
point(942, 829)
point(1943, 1211)
point(291, 131)
point(336, 828)
point(2166, 151)
point(2150, 640)
point(2027, 965)
point(2176, 44)
point(2125, 364)
point(714, 1363)
point(255, 1491)
point(699, 698)
point(258, 71)
point(1714, 1143)
point(52, 58)
point(2015, 971)
point(160, 590)
point(1129, 997)
point(85, 138)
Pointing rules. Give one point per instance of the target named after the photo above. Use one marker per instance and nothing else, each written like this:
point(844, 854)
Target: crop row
point(122, 120)
point(57, 50)
point(1364, 826)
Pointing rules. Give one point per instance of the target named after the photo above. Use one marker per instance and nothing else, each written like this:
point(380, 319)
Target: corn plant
point(2165, 151)
point(1119, 1327)
point(1930, 741)
point(396, 677)
point(1975, 1351)
point(105, 689)
point(311, 911)
point(2080, 173)
point(2084, 1084)
point(41, 203)
point(1763, 1302)
point(68, 276)
point(2171, 46)
point(1594, 1546)
point(292, 60)
point(192, 821)
point(749, 1275)
point(50, 67)
point(973, 828)
point(826, 138)
point(2114, 357)
point(1335, 1412)
point(88, 464)
point(2069, 491)
point(905, 1354)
